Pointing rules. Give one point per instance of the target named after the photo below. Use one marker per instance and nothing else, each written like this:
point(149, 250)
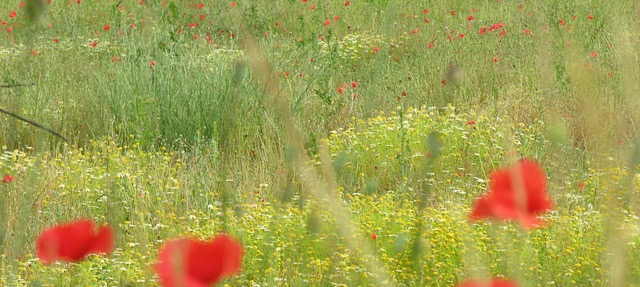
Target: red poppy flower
point(73, 241)
point(496, 282)
point(374, 236)
point(7, 179)
point(13, 14)
point(195, 263)
point(516, 193)
point(470, 18)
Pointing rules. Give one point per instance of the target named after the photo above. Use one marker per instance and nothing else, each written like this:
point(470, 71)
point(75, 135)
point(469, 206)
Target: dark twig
point(15, 85)
point(33, 123)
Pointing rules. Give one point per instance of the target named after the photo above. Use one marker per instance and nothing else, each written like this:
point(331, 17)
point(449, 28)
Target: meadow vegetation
point(343, 143)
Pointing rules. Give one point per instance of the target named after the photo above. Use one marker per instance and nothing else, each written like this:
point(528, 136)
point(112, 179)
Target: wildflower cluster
point(392, 150)
point(356, 47)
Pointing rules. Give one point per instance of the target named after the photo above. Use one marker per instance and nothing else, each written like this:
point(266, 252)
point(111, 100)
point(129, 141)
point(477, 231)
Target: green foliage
point(174, 133)
point(385, 147)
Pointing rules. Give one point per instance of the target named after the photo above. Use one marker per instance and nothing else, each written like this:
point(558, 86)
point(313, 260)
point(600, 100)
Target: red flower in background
point(74, 241)
point(195, 263)
point(496, 282)
point(7, 179)
point(515, 193)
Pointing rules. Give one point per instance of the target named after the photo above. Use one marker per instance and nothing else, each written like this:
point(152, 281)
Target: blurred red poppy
point(195, 263)
point(515, 193)
point(74, 241)
point(7, 178)
point(496, 282)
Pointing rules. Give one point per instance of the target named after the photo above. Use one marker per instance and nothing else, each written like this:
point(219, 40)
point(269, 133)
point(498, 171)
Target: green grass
point(216, 136)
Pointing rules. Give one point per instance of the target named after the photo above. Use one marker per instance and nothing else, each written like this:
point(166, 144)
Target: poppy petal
point(195, 263)
point(509, 200)
point(104, 241)
point(481, 209)
point(72, 241)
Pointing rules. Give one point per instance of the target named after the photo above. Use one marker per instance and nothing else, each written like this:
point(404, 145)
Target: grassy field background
point(303, 128)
